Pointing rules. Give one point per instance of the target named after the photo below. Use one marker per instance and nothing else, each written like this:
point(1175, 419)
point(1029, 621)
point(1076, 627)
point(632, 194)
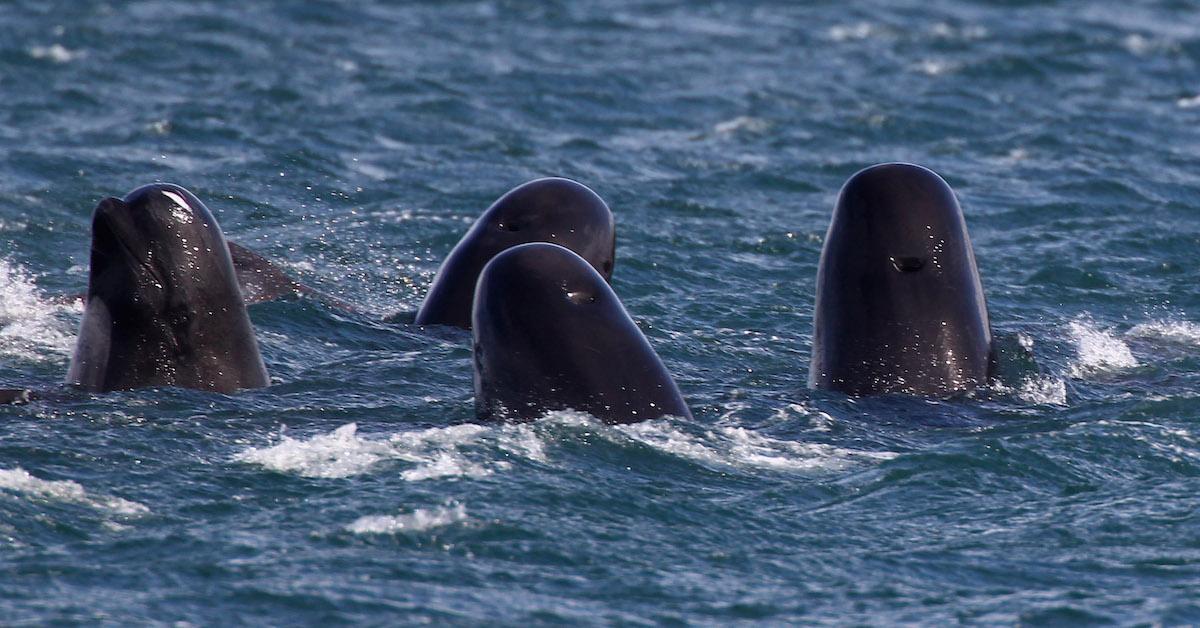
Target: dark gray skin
point(163, 306)
point(261, 280)
point(553, 210)
point(15, 396)
point(900, 307)
point(550, 334)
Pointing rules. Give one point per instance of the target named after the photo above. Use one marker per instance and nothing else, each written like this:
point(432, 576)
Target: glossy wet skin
point(550, 334)
point(900, 307)
point(163, 307)
point(559, 211)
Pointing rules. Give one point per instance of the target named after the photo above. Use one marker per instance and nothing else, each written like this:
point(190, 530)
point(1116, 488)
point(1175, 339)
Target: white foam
point(522, 441)
point(474, 451)
point(1099, 349)
point(21, 481)
point(847, 32)
point(439, 452)
point(418, 520)
point(934, 67)
point(949, 31)
point(56, 53)
point(1181, 332)
point(341, 453)
point(446, 464)
point(820, 421)
point(741, 123)
point(1042, 390)
point(371, 171)
point(30, 327)
point(1189, 102)
point(738, 447)
point(1136, 44)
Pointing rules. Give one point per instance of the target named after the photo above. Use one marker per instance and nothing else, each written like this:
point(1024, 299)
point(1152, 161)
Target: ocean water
point(354, 142)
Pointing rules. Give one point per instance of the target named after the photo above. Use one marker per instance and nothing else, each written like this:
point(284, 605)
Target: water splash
point(741, 448)
point(21, 481)
point(56, 53)
point(848, 32)
point(30, 325)
point(418, 520)
point(739, 124)
point(339, 454)
point(1180, 332)
point(475, 451)
point(1037, 389)
point(1100, 350)
point(438, 452)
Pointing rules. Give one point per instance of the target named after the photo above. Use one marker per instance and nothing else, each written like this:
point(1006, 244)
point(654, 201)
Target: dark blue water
point(355, 142)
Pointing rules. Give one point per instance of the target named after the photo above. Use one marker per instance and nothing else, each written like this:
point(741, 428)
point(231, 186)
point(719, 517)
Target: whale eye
point(907, 264)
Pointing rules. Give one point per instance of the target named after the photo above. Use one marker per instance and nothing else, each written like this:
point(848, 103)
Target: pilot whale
point(555, 210)
point(899, 307)
point(550, 334)
point(163, 304)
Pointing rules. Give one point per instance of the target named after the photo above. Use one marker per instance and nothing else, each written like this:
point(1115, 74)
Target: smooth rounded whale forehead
point(542, 268)
point(169, 203)
point(901, 194)
point(548, 203)
point(162, 225)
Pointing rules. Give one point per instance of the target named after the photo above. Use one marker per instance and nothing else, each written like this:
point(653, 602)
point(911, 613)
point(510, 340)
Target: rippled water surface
point(354, 143)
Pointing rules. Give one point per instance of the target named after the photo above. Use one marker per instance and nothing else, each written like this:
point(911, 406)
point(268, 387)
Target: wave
point(1179, 332)
point(1100, 350)
point(475, 451)
point(438, 452)
point(738, 447)
point(21, 481)
point(31, 326)
point(418, 520)
point(1044, 390)
point(56, 53)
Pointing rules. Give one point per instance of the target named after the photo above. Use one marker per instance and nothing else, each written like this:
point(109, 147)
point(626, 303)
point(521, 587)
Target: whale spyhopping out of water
point(555, 210)
point(163, 304)
point(550, 334)
point(900, 307)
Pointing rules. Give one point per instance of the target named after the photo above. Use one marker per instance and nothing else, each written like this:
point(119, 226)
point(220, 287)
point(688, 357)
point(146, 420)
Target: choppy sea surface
point(354, 142)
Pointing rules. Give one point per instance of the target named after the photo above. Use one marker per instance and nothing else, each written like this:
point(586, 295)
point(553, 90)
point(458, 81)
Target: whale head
point(553, 210)
point(550, 334)
point(900, 306)
point(163, 303)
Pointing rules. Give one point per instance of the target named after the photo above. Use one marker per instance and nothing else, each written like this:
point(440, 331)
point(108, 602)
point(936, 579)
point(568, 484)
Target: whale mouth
point(109, 239)
point(907, 264)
